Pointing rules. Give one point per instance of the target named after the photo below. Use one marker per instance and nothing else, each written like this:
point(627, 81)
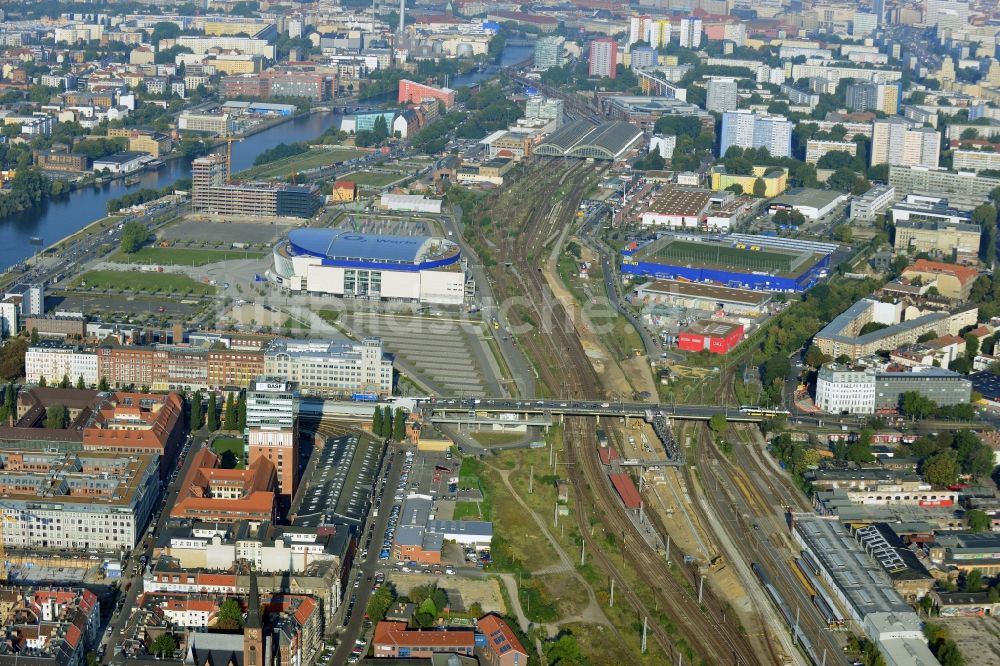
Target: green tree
point(718, 423)
point(213, 412)
point(564, 651)
point(102, 385)
point(34, 335)
point(80, 384)
point(164, 30)
point(399, 425)
point(377, 421)
point(64, 382)
point(940, 469)
point(973, 581)
point(380, 129)
point(977, 521)
point(815, 357)
point(163, 646)
point(241, 411)
point(42, 381)
point(426, 613)
point(842, 233)
point(230, 613)
point(10, 395)
point(759, 188)
point(196, 416)
point(55, 417)
point(971, 345)
point(379, 603)
point(229, 413)
point(916, 406)
point(134, 234)
point(860, 450)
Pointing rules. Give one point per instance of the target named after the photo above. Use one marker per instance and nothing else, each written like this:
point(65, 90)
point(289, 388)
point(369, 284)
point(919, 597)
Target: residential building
point(951, 280)
point(210, 193)
point(817, 148)
point(550, 52)
point(603, 58)
point(137, 424)
point(331, 367)
point(268, 548)
point(975, 160)
point(93, 501)
point(964, 190)
point(869, 96)
point(245, 45)
point(213, 494)
point(411, 92)
point(52, 626)
point(799, 97)
point(54, 360)
point(643, 56)
point(663, 144)
point(896, 141)
point(747, 129)
point(690, 32)
point(841, 336)
point(721, 95)
point(872, 203)
point(934, 229)
point(60, 160)
point(272, 429)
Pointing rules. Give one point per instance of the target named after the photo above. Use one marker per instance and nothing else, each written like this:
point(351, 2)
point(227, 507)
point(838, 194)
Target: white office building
point(331, 367)
point(550, 52)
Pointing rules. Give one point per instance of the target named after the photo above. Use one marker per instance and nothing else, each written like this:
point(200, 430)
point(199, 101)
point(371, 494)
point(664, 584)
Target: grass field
point(367, 178)
point(311, 159)
point(142, 281)
point(231, 444)
point(169, 256)
point(468, 511)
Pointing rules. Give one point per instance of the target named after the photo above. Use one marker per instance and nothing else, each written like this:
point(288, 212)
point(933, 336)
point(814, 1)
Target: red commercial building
point(213, 494)
point(392, 640)
point(603, 57)
point(411, 92)
point(502, 647)
point(717, 337)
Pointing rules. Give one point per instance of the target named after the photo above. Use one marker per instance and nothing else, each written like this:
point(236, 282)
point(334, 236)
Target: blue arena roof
point(343, 244)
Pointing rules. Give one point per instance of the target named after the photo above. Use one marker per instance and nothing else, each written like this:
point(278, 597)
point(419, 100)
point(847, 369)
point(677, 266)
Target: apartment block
point(817, 148)
point(55, 360)
point(411, 92)
point(92, 500)
point(964, 190)
point(747, 129)
point(895, 141)
point(721, 95)
point(603, 58)
point(975, 160)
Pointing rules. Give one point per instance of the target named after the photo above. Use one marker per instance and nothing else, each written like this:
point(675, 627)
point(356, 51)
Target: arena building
point(733, 260)
point(376, 267)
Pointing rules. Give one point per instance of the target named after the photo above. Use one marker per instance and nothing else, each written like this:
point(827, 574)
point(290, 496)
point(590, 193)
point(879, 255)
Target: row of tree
point(388, 424)
point(234, 412)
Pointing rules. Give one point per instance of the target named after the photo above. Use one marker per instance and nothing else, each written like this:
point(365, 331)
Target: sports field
point(372, 179)
point(728, 257)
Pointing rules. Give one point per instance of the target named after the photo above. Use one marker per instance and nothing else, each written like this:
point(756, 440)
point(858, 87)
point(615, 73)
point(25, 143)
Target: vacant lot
point(169, 256)
point(311, 159)
point(373, 179)
point(125, 281)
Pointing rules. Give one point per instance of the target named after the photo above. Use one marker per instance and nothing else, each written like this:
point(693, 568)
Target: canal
point(57, 218)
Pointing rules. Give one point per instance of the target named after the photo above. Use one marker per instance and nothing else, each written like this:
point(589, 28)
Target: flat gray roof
point(808, 197)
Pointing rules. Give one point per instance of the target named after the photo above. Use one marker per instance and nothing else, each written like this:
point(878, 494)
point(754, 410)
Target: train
point(798, 635)
point(806, 570)
point(751, 410)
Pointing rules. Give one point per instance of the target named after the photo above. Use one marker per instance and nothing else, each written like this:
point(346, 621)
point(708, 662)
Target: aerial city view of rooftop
point(457, 332)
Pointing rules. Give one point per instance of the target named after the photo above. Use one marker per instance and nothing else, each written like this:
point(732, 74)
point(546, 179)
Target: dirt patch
point(978, 638)
point(486, 591)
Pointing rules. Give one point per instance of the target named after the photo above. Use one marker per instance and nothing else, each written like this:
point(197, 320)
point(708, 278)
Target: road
point(145, 548)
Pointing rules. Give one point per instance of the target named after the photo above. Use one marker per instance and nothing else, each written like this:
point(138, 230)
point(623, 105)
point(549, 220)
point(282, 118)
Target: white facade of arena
point(400, 268)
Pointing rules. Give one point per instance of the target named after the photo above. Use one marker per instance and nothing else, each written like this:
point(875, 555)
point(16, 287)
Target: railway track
point(564, 367)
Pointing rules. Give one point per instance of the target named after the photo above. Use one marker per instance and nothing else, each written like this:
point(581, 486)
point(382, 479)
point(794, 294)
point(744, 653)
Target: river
point(57, 218)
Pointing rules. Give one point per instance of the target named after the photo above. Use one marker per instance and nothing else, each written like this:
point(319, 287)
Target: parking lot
point(245, 232)
point(340, 486)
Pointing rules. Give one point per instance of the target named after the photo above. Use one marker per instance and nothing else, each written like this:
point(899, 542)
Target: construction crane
point(230, 140)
